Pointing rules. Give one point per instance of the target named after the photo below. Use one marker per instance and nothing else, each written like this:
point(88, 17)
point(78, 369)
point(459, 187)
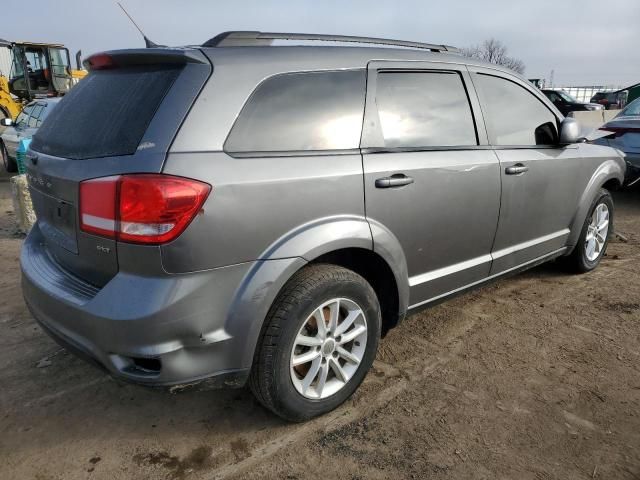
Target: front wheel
point(595, 235)
point(318, 343)
point(10, 166)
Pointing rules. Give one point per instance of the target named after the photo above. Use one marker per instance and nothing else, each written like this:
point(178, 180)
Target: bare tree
point(494, 51)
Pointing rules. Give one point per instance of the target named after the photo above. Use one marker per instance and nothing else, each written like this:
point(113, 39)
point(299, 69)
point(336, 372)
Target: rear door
point(120, 119)
point(541, 181)
point(430, 179)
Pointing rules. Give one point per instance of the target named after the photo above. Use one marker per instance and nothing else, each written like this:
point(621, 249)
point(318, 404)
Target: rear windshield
point(105, 114)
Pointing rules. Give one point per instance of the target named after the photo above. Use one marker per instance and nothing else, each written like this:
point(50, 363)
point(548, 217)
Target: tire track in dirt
point(398, 380)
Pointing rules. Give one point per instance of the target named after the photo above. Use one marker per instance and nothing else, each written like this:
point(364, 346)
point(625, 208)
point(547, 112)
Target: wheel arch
point(344, 240)
point(610, 176)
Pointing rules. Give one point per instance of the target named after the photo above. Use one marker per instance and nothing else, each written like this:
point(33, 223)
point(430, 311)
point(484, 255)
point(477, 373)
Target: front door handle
point(516, 169)
point(396, 180)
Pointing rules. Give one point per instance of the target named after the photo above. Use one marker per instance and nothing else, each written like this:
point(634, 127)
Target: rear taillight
point(140, 208)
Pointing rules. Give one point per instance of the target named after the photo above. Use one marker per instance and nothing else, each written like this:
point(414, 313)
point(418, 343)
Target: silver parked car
point(25, 126)
point(244, 213)
point(623, 133)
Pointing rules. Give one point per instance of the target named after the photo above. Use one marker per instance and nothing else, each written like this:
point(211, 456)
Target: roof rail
point(254, 39)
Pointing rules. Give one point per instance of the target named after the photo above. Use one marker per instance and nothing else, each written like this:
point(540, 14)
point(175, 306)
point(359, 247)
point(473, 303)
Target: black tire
point(270, 379)
point(577, 261)
point(10, 165)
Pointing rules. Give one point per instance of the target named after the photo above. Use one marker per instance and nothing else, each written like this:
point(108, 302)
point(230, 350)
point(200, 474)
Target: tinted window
point(44, 113)
point(424, 109)
point(23, 118)
point(302, 111)
point(106, 114)
point(552, 96)
point(514, 116)
point(35, 115)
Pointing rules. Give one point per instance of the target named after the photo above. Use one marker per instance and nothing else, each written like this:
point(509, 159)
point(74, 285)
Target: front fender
point(610, 169)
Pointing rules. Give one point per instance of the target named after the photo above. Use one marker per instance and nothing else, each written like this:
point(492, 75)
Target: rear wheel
point(595, 235)
point(319, 340)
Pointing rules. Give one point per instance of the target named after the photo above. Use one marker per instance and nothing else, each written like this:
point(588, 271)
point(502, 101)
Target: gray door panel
point(537, 205)
point(445, 221)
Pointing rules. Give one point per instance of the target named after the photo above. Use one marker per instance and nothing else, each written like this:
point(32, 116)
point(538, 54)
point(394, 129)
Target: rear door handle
point(516, 169)
point(396, 180)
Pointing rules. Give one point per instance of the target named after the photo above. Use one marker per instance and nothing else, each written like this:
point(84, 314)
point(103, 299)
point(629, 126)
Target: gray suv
point(240, 213)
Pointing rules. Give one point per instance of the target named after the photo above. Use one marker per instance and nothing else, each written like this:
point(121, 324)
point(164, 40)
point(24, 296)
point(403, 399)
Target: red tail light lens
point(143, 208)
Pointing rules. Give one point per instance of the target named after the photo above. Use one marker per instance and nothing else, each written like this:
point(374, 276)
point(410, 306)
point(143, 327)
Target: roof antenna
point(148, 43)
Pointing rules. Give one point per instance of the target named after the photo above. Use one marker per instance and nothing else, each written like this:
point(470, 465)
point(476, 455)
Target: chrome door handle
point(396, 180)
point(516, 169)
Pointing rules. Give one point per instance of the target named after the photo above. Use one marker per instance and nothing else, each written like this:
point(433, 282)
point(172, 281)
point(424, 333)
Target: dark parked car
point(263, 214)
point(609, 100)
point(623, 133)
point(25, 126)
point(566, 103)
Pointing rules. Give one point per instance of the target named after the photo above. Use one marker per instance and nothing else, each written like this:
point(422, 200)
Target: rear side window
point(35, 116)
point(424, 109)
point(45, 113)
point(106, 114)
point(301, 112)
point(514, 116)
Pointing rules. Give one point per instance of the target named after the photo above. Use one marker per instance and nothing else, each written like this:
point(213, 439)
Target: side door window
point(23, 119)
point(44, 113)
point(424, 109)
point(34, 119)
point(513, 115)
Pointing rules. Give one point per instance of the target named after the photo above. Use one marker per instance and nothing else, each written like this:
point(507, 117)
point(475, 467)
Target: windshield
point(566, 97)
point(633, 109)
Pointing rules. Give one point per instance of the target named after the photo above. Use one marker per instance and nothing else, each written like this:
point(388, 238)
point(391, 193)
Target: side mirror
point(6, 122)
point(569, 131)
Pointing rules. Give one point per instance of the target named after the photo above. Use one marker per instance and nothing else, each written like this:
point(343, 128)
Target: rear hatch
point(119, 119)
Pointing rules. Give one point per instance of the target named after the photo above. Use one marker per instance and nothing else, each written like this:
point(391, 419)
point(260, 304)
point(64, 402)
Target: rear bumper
point(158, 331)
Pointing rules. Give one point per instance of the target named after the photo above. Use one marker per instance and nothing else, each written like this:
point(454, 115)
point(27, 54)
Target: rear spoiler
point(144, 56)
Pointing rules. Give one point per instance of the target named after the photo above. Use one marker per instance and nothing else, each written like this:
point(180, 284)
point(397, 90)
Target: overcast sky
point(585, 42)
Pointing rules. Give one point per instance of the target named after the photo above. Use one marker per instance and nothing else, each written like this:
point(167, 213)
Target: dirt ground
point(534, 377)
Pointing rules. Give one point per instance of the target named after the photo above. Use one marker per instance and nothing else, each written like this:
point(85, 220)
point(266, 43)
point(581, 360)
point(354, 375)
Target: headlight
point(594, 107)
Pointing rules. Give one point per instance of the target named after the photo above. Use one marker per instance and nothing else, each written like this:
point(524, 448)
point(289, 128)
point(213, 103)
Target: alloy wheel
point(328, 348)
point(597, 231)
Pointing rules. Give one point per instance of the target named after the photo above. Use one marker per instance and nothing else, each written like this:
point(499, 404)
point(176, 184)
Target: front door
point(540, 184)
point(430, 178)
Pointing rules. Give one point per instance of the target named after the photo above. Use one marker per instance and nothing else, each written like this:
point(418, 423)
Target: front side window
point(301, 112)
point(23, 118)
point(424, 109)
point(514, 116)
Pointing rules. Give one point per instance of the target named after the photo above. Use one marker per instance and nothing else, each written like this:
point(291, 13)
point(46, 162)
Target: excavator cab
point(39, 70)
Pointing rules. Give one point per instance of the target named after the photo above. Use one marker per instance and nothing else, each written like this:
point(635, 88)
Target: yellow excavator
point(34, 70)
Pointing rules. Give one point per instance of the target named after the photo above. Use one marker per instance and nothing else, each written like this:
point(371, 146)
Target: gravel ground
point(534, 377)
